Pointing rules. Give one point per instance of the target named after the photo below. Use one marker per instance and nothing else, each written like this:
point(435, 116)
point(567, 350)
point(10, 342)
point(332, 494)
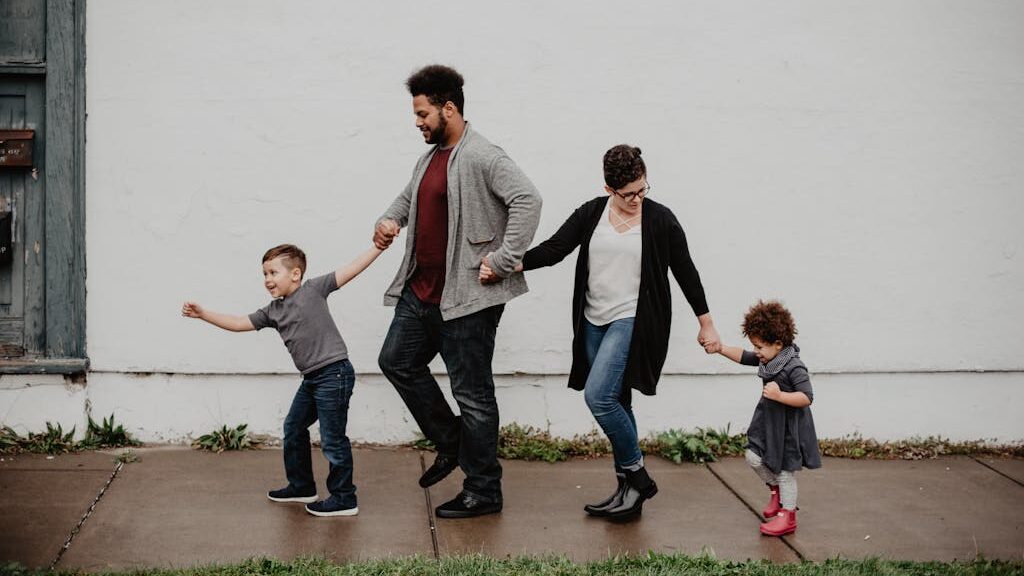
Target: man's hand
point(192, 310)
point(771, 391)
point(385, 233)
point(487, 274)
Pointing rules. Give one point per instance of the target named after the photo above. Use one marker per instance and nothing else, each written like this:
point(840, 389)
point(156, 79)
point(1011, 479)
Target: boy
point(300, 314)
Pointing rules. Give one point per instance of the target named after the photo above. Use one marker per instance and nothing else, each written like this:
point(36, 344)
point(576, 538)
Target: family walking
point(471, 215)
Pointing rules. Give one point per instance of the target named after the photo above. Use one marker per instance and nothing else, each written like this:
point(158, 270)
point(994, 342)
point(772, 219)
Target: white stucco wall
point(860, 161)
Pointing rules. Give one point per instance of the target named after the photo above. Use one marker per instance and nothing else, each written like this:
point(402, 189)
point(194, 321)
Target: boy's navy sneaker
point(289, 494)
point(331, 507)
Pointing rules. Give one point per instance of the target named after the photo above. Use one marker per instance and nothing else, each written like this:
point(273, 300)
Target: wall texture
point(859, 161)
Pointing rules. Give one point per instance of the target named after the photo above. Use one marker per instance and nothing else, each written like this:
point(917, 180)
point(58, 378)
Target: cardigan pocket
point(479, 246)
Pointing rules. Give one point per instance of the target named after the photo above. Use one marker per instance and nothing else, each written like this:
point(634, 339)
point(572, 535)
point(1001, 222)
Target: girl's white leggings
point(786, 481)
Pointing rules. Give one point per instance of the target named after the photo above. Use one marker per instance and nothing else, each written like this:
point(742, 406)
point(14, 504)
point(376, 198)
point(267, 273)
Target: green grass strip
point(649, 565)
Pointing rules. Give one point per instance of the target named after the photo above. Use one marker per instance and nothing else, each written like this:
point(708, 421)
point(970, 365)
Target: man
point(467, 200)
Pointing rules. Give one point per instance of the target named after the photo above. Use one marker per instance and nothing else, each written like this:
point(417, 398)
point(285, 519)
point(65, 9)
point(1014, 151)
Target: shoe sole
point(302, 499)
point(634, 512)
point(793, 531)
point(425, 482)
point(456, 515)
point(345, 512)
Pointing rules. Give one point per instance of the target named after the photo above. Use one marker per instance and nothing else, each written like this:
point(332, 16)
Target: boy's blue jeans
point(323, 395)
point(607, 351)
point(466, 345)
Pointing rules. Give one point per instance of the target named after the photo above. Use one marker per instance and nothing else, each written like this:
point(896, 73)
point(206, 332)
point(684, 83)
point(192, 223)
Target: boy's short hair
point(622, 165)
point(439, 84)
point(769, 322)
point(291, 255)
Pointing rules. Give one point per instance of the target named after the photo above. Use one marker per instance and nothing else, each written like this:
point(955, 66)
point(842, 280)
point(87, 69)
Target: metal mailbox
point(16, 148)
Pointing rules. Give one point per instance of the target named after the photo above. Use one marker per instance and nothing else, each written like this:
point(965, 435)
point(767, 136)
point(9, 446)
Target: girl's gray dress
point(781, 435)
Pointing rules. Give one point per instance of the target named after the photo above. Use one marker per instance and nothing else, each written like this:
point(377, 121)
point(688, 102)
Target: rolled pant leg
point(608, 350)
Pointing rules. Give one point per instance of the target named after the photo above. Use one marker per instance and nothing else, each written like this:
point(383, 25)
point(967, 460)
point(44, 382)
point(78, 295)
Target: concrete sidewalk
point(177, 507)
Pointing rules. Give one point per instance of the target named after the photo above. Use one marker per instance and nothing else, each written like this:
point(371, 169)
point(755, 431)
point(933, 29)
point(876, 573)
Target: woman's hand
point(708, 335)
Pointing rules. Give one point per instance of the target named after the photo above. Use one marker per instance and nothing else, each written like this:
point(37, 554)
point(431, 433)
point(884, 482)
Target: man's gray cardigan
point(492, 207)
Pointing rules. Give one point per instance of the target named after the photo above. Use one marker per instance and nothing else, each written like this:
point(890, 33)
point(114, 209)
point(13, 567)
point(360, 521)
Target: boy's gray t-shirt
point(305, 324)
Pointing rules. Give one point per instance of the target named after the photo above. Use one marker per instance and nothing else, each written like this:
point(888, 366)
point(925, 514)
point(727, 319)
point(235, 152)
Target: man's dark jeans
point(466, 345)
point(324, 395)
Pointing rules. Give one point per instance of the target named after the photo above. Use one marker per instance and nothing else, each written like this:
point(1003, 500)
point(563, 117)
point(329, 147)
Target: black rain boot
point(613, 501)
point(639, 487)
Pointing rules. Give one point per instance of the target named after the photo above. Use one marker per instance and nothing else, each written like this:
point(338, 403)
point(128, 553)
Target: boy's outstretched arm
point(352, 269)
point(225, 321)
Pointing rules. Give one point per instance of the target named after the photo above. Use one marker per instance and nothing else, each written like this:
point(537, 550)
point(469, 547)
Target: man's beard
point(437, 136)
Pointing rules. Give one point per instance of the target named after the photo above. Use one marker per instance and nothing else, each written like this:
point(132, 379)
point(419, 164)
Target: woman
point(622, 309)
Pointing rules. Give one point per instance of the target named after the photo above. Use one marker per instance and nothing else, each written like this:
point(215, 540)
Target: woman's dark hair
point(439, 84)
point(622, 165)
point(769, 322)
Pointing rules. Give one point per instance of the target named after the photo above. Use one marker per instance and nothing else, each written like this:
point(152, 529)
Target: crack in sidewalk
point(997, 471)
point(430, 513)
point(752, 510)
point(88, 512)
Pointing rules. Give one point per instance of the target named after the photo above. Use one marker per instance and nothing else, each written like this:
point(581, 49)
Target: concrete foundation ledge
point(170, 408)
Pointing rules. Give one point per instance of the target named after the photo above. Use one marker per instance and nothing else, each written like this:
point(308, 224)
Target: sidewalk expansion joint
point(88, 512)
point(752, 510)
point(1000, 472)
point(430, 513)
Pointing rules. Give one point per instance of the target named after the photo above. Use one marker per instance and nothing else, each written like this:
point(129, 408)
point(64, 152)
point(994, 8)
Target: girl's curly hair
point(769, 322)
point(622, 165)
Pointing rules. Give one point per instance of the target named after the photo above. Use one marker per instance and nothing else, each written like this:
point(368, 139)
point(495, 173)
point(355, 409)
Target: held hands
point(709, 339)
point(192, 310)
point(713, 347)
point(487, 274)
point(771, 391)
point(385, 233)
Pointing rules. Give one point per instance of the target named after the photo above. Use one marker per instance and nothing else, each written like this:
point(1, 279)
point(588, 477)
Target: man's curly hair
point(622, 165)
point(439, 84)
point(769, 322)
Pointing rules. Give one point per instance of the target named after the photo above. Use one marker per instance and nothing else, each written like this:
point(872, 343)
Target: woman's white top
point(614, 283)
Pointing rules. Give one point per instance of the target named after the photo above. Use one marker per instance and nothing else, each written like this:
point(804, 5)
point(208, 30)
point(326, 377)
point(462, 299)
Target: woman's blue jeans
point(323, 395)
point(607, 351)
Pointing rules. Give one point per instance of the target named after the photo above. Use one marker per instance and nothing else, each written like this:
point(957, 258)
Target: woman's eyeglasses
point(628, 196)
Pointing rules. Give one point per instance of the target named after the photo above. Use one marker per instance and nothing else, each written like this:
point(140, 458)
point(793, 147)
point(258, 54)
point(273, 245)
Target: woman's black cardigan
point(663, 246)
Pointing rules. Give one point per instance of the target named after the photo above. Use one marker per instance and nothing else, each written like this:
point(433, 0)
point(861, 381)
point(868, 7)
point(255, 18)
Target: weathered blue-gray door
point(42, 199)
point(22, 308)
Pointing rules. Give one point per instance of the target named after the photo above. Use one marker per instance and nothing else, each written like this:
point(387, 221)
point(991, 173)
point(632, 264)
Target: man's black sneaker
point(442, 466)
point(466, 505)
point(331, 507)
point(289, 494)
